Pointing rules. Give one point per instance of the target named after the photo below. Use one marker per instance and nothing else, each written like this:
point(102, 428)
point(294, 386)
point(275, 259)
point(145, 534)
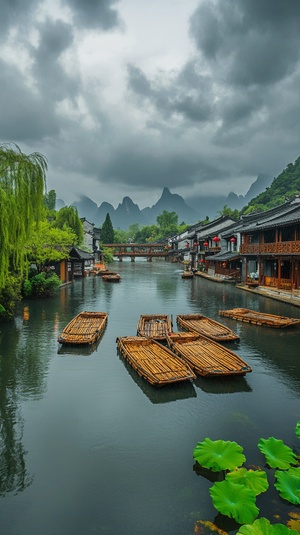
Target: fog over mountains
point(128, 213)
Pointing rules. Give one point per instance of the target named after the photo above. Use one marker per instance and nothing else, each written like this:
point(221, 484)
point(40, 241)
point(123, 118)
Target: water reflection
point(223, 385)
point(165, 394)
point(13, 473)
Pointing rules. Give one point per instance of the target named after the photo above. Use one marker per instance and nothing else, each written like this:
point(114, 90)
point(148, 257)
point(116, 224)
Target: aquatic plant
point(219, 454)
point(235, 496)
point(277, 454)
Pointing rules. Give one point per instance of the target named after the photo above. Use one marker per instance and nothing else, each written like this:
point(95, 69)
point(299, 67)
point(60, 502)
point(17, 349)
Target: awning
point(223, 257)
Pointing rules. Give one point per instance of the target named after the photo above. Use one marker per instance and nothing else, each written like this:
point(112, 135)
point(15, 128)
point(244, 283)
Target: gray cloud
point(110, 111)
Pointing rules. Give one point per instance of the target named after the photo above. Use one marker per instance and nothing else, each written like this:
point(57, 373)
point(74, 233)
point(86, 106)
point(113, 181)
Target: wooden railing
point(138, 249)
point(285, 247)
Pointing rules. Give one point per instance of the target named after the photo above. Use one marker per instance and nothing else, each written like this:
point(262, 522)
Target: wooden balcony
point(279, 248)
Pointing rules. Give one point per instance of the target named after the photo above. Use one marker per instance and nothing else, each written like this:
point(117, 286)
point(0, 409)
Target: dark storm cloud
point(186, 95)
point(55, 38)
point(250, 41)
point(94, 13)
point(12, 12)
point(25, 115)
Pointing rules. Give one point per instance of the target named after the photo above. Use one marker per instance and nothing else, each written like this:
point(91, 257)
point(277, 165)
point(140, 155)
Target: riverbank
point(292, 297)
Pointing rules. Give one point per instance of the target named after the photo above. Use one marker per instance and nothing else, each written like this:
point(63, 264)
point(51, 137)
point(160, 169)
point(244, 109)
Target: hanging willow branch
point(22, 185)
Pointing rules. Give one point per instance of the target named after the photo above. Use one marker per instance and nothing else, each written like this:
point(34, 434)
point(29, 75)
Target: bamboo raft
point(111, 277)
point(155, 326)
point(153, 361)
point(85, 328)
point(207, 327)
point(187, 275)
point(259, 318)
point(206, 357)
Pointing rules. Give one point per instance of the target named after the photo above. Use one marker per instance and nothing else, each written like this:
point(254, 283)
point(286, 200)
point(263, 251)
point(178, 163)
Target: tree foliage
point(68, 218)
point(284, 187)
point(22, 183)
point(107, 231)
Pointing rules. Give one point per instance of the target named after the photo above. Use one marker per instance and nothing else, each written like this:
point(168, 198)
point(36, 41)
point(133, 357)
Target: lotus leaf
point(255, 480)
point(219, 454)
point(277, 454)
point(262, 526)
point(288, 485)
point(297, 430)
point(235, 501)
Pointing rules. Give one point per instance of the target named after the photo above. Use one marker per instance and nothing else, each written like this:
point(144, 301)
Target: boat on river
point(259, 318)
point(155, 326)
point(207, 327)
point(206, 357)
point(111, 277)
point(153, 361)
point(85, 328)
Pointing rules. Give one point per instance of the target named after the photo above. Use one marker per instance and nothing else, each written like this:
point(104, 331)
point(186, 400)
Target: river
point(88, 447)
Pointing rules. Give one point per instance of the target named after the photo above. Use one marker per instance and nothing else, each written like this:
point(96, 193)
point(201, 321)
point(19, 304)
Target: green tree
point(22, 183)
point(107, 231)
point(50, 199)
point(67, 217)
point(49, 244)
point(168, 223)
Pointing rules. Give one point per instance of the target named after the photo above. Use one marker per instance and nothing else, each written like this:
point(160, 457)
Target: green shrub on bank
point(41, 285)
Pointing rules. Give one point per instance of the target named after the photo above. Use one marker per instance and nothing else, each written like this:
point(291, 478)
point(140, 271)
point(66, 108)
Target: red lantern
point(233, 239)
point(216, 239)
point(206, 244)
point(201, 260)
point(187, 244)
point(195, 243)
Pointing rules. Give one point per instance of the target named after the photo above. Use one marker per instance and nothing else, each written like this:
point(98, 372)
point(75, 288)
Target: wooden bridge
point(135, 250)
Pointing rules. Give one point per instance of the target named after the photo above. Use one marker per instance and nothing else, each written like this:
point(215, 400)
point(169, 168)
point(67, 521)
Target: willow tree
point(22, 184)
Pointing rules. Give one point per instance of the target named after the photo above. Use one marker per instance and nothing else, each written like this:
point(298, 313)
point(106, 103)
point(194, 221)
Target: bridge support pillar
point(120, 259)
point(132, 259)
point(149, 259)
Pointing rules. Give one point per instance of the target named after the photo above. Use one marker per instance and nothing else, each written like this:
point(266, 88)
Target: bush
point(9, 296)
point(41, 285)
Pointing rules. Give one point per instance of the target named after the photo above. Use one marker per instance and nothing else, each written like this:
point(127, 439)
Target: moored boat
point(111, 277)
point(154, 326)
point(85, 328)
point(207, 327)
point(154, 362)
point(259, 318)
point(205, 356)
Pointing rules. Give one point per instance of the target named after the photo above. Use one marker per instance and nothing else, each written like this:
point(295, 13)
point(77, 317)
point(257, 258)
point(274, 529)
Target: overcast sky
point(124, 97)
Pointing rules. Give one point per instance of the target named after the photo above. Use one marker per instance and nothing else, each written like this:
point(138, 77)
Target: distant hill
point(189, 212)
point(128, 213)
point(283, 188)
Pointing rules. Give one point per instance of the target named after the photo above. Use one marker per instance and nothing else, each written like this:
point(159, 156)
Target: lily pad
point(288, 485)
point(262, 526)
point(235, 501)
point(255, 480)
point(219, 454)
point(277, 454)
point(297, 429)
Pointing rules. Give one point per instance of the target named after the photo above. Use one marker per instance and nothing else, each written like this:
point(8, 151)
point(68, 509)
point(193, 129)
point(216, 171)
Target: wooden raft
point(259, 318)
point(112, 277)
point(154, 326)
point(206, 357)
point(207, 327)
point(85, 328)
point(153, 361)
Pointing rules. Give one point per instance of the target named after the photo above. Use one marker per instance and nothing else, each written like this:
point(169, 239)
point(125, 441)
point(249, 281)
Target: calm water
point(87, 447)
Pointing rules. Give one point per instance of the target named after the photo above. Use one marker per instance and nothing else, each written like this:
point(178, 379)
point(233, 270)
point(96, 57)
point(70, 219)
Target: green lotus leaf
point(235, 501)
point(219, 454)
point(262, 526)
point(255, 480)
point(277, 454)
point(297, 429)
point(288, 485)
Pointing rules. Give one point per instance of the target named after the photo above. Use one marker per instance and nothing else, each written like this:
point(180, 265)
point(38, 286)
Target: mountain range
point(128, 213)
